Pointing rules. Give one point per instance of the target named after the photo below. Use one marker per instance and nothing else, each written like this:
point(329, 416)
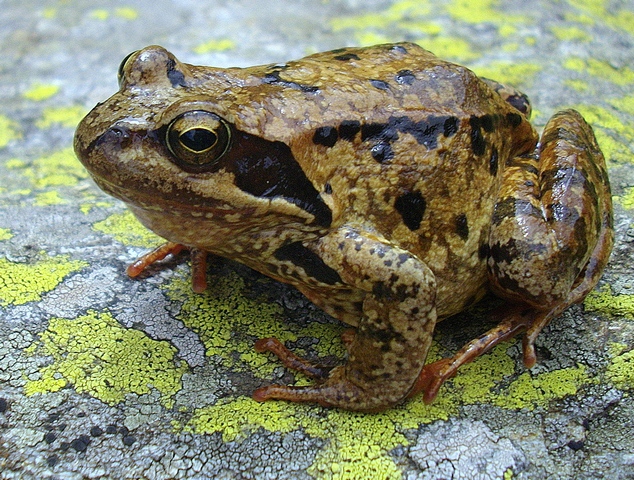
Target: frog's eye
point(122, 67)
point(198, 138)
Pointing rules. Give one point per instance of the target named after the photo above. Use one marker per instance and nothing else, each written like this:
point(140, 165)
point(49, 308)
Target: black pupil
point(198, 139)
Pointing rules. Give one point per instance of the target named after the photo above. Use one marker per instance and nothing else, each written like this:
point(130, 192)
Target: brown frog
point(392, 188)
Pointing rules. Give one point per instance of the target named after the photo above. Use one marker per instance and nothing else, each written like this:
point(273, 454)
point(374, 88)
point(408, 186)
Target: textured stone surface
point(105, 377)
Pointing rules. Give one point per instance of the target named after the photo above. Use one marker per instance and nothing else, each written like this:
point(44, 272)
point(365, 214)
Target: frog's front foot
point(198, 259)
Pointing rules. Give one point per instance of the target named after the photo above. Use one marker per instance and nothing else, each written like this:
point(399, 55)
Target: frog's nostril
point(116, 136)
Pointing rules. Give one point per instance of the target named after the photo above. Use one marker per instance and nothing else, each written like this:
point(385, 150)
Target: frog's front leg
point(394, 332)
point(550, 239)
point(198, 259)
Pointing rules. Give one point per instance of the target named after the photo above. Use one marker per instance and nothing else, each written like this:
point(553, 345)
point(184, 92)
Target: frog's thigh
point(395, 331)
point(551, 228)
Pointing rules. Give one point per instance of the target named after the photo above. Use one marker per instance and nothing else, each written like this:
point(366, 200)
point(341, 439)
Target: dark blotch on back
point(380, 84)
point(273, 78)
point(487, 122)
point(326, 136)
point(462, 226)
point(493, 162)
point(346, 57)
point(382, 152)
point(478, 144)
point(348, 129)
point(312, 264)
point(514, 119)
point(399, 49)
point(411, 206)
point(405, 77)
point(176, 77)
point(425, 132)
point(377, 130)
point(519, 101)
point(514, 249)
point(450, 126)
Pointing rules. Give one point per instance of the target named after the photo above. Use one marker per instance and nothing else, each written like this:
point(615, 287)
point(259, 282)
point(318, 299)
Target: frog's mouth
point(176, 207)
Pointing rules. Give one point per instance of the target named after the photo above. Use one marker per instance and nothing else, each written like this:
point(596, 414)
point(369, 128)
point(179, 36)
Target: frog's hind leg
point(551, 238)
point(551, 231)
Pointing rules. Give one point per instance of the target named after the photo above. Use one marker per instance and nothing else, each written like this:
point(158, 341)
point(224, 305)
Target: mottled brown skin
point(391, 187)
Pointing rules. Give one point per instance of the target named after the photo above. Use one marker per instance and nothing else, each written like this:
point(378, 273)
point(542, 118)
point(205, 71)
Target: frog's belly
point(457, 293)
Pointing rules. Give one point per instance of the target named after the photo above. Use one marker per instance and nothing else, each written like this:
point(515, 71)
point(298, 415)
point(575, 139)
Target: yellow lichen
point(406, 19)
point(126, 229)
point(601, 69)
point(48, 198)
point(65, 116)
point(620, 371)
point(476, 380)
point(578, 85)
point(358, 444)
point(41, 91)
point(49, 12)
point(507, 30)
point(407, 10)
point(611, 131)
point(5, 234)
point(57, 169)
point(97, 356)
point(627, 200)
point(127, 13)
point(100, 14)
point(220, 45)
point(228, 323)
point(580, 18)
point(529, 391)
point(625, 105)
point(600, 10)
point(513, 74)
point(571, 33)
point(240, 417)
point(451, 48)
point(85, 208)
point(21, 283)
point(482, 11)
point(604, 302)
point(9, 130)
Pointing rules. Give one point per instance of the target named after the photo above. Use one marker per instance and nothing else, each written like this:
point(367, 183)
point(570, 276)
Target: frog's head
point(170, 140)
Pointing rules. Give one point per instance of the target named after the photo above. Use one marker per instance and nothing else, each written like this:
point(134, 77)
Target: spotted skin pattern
point(391, 187)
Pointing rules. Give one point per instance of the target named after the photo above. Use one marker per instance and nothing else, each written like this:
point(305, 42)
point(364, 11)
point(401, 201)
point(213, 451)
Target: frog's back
point(364, 85)
point(411, 148)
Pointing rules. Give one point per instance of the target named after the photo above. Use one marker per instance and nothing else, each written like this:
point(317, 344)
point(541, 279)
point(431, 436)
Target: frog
point(392, 188)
